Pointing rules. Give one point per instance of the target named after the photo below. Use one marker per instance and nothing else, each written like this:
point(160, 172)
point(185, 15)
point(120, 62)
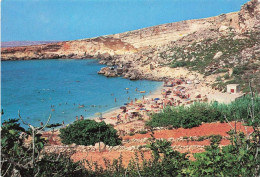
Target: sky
point(45, 20)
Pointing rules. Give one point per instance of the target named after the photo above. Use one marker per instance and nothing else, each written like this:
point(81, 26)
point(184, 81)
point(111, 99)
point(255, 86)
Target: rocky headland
point(156, 52)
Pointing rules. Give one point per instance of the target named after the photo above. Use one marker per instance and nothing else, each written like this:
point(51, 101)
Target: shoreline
point(184, 92)
point(115, 111)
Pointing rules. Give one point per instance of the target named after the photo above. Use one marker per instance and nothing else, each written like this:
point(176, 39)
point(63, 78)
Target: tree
point(89, 132)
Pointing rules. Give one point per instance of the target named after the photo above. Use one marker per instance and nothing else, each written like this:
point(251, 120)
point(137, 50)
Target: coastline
point(115, 111)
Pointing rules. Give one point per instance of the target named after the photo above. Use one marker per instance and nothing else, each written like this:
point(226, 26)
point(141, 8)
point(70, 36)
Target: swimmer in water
point(81, 117)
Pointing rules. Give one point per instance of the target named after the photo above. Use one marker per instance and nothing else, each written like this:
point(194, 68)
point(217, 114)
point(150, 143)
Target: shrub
point(179, 64)
point(218, 79)
point(131, 134)
point(142, 132)
point(89, 132)
point(226, 76)
point(238, 71)
point(201, 138)
point(221, 71)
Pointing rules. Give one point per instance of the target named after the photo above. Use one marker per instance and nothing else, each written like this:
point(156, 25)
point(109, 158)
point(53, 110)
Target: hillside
point(208, 46)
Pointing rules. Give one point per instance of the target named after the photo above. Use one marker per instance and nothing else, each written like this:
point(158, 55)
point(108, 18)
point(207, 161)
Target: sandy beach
point(185, 89)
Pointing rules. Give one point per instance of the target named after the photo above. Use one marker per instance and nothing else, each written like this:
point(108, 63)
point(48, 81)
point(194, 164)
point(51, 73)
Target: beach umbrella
point(138, 101)
point(99, 114)
point(157, 99)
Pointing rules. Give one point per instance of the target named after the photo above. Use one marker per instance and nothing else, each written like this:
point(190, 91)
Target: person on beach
point(81, 117)
point(63, 124)
point(118, 117)
point(77, 118)
point(41, 124)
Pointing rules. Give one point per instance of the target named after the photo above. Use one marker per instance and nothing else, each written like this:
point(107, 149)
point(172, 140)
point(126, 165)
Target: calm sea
point(39, 88)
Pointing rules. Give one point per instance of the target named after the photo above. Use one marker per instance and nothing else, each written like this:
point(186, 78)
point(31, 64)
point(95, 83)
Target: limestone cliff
point(85, 48)
point(185, 32)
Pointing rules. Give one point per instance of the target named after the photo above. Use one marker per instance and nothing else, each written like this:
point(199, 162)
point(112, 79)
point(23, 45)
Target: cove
point(60, 87)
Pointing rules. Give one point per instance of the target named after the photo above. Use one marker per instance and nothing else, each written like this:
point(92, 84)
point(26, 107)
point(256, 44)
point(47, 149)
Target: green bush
point(201, 138)
point(238, 71)
point(221, 71)
point(131, 134)
point(89, 132)
point(218, 79)
point(142, 132)
point(179, 64)
point(226, 76)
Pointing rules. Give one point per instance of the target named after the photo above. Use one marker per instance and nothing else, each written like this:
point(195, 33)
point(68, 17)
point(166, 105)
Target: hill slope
point(208, 46)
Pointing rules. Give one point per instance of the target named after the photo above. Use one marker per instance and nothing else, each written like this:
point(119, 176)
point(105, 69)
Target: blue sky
point(39, 20)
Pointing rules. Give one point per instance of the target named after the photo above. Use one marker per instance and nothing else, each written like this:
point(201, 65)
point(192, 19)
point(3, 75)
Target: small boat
point(127, 88)
point(142, 91)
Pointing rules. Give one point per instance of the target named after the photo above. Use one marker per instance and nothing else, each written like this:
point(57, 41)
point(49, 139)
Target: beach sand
point(196, 87)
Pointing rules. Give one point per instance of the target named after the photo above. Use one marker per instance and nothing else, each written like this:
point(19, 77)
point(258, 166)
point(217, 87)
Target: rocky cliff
point(247, 19)
point(85, 48)
point(204, 45)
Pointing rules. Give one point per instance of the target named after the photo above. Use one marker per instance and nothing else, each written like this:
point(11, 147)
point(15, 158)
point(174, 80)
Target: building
point(233, 88)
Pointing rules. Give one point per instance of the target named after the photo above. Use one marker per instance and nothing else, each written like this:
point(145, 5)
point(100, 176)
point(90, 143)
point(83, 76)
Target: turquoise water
point(33, 86)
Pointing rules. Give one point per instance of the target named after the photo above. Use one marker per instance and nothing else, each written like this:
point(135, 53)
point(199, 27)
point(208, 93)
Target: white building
point(233, 88)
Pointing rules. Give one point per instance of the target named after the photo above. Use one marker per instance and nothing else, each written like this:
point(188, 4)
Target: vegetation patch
point(188, 117)
point(89, 132)
point(213, 56)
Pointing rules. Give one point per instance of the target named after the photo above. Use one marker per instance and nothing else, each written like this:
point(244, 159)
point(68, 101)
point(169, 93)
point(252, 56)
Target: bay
point(60, 87)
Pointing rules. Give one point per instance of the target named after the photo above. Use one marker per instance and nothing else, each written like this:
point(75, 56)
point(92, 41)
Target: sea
point(64, 89)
